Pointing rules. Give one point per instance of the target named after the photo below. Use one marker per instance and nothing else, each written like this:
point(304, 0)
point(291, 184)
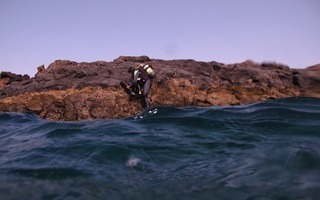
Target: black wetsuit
point(141, 84)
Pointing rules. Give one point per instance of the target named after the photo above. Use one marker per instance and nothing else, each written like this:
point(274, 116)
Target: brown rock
point(41, 69)
point(4, 82)
point(8, 78)
point(310, 81)
point(68, 90)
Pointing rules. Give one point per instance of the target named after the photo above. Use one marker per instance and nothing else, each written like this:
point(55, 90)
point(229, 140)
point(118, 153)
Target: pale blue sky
point(36, 32)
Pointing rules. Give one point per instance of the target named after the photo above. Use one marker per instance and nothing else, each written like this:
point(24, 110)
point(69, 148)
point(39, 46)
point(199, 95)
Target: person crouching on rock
point(140, 84)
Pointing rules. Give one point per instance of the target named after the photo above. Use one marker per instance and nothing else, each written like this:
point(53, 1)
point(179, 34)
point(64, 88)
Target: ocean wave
point(262, 150)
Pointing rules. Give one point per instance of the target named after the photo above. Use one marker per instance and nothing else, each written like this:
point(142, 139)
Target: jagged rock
point(7, 78)
point(68, 90)
point(40, 69)
point(4, 82)
point(309, 80)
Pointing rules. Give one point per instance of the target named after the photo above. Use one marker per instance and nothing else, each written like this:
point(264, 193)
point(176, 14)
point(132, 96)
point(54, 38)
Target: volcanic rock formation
point(68, 90)
point(311, 81)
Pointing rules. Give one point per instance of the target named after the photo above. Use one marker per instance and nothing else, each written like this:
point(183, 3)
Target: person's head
point(131, 69)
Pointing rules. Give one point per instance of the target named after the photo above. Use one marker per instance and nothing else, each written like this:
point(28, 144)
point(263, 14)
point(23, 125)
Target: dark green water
point(268, 150)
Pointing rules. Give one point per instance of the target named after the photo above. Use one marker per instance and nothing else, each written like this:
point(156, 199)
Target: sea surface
point(267, 150)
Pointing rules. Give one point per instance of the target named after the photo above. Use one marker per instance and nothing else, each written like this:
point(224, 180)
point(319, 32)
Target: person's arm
point(135, 78)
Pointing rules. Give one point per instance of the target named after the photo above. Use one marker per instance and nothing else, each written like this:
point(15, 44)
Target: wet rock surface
point(68, 90)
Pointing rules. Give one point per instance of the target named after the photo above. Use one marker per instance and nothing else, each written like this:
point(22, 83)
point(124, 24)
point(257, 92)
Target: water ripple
point(267, 150)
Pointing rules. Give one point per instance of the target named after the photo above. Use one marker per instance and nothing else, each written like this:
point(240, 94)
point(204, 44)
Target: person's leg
point(146, 87)
point(146, 90)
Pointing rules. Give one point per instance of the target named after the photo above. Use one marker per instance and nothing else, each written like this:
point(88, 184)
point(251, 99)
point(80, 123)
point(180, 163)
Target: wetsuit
point(141, 84)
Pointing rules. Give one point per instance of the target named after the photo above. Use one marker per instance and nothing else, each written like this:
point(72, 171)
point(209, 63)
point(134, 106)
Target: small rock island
point(72, 91)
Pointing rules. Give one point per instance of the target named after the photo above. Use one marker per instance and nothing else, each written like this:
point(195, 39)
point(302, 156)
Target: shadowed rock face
point(311, 81)
point(68, 90)
point(7, 78)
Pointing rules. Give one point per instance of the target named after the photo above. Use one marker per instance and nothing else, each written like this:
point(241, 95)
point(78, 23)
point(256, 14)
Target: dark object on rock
point(127, 89)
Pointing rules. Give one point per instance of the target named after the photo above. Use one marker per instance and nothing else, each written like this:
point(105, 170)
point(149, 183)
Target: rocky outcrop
point(7, 78)
point(310, 80)
point(69, 90)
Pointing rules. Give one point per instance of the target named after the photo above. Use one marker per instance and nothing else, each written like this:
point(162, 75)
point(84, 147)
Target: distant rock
point(68, 90)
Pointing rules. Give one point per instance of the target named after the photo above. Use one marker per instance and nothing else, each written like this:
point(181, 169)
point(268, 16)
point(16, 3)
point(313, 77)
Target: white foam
point(133, 161)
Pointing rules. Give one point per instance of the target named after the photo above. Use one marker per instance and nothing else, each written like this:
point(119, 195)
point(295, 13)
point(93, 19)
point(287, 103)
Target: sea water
point(267, 150)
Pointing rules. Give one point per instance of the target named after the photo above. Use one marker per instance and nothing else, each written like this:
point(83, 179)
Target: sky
point(38, 32)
